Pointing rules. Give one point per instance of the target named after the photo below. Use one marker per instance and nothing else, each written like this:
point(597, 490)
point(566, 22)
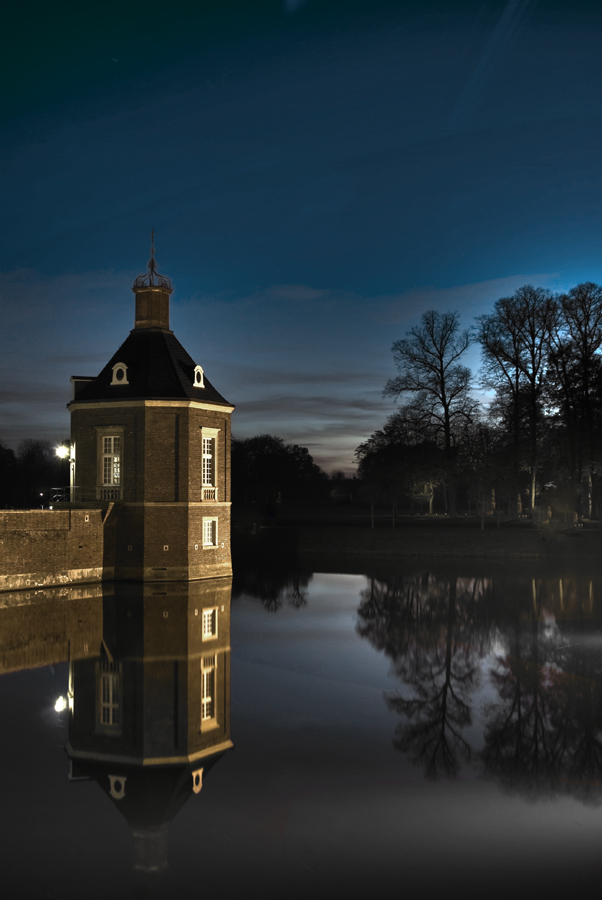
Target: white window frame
point(208, 692)
point(209, 520)
point(109, 686)
point(119, 367)
point(199, 377)
point(111, 460)
point(209, 623)
point(109, 489)
point(209, 481)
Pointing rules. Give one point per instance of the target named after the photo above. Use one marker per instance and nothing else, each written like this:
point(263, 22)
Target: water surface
point(426, 729)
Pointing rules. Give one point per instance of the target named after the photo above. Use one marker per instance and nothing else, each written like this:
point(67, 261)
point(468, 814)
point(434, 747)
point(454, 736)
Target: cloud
point(330, 427)
point(469, 299)
point(277, 297)
point(291, 6)
point(25, 294)
point(317, 406)
point(32, 394)
point(499, 40)
point(272, 376)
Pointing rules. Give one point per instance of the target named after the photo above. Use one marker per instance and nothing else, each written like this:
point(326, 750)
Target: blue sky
point(317, 174)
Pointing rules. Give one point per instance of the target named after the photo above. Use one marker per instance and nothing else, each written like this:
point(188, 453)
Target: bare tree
point(576, 367)
point(514, 340)
point(429, 367)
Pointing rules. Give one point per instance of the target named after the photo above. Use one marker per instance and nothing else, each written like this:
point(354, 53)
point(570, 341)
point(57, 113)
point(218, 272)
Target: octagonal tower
point(151, 443)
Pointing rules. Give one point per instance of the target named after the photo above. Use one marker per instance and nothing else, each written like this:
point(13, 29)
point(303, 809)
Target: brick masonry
point(156, 542)
point(47, 626)
point(50, 547)
point(156, 635)
point(155, 532)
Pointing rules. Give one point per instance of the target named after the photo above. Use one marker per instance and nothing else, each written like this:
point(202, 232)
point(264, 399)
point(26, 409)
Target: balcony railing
point(109, 493)
point(209, 493)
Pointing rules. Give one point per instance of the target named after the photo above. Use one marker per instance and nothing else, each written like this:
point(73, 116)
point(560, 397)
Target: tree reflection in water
point(522, 734)
point(426, 627)
point(542, 734)
point(271, 585)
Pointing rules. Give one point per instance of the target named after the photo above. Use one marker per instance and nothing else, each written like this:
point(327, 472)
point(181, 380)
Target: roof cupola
point(152, 292)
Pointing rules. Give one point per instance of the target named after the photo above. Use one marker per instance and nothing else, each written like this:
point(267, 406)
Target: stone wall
point(50, 547)
point(137, 542)
point(47, 626)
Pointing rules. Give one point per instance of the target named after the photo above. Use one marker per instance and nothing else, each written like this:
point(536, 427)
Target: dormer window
point(120, 373)
point(199, 377)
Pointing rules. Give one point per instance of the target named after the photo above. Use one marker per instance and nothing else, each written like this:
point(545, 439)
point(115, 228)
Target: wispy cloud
point(468, 299)
point(506, 27)
point(319, 407)
point(274, 377)
point(27, 295)
point(292, 6)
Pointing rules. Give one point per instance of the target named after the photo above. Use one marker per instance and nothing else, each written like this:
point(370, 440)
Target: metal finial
point(152, 277)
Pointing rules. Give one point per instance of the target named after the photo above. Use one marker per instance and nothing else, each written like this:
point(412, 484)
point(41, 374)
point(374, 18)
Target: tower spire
point(152, 278)
point(152, 292)
point(152, 266)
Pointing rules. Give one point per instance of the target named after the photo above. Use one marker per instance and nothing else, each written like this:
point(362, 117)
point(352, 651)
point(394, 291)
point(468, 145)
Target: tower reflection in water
point(150, 712)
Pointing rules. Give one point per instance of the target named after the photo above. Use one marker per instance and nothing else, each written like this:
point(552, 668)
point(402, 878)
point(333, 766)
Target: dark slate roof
point(158, 368)
point(153, 797)
point(153, 794)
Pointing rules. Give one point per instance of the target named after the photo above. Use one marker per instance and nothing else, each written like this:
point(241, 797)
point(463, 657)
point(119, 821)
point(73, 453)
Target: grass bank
point(440, 540)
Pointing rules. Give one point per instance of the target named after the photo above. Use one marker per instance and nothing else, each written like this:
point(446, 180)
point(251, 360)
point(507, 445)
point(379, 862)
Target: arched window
point(199, 377)
point(120, 374)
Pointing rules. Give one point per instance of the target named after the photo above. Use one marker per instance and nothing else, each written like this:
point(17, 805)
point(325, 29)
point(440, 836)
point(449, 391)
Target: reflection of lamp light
point(62, 452)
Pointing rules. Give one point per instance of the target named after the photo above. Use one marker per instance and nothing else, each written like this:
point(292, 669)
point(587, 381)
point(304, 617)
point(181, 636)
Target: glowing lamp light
point(62, 452)
point(60, 704)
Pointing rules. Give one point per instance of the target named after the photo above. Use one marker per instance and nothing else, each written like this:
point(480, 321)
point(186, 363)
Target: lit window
point(208, 705)
point(109, 468)
point(111, 459)
point(209, 532)
point(208, 462)
point(209, 623)
point(109, 697)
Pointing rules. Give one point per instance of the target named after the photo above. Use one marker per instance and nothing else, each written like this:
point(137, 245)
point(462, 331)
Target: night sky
point(317, 173)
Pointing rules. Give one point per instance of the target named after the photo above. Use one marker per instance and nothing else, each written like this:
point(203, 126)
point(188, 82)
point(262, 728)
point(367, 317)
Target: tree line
point(28, 477)
point(267, 473)
point(540, 438)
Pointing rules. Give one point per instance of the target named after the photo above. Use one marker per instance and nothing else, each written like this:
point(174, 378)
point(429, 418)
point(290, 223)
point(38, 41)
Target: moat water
point(429, 729)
